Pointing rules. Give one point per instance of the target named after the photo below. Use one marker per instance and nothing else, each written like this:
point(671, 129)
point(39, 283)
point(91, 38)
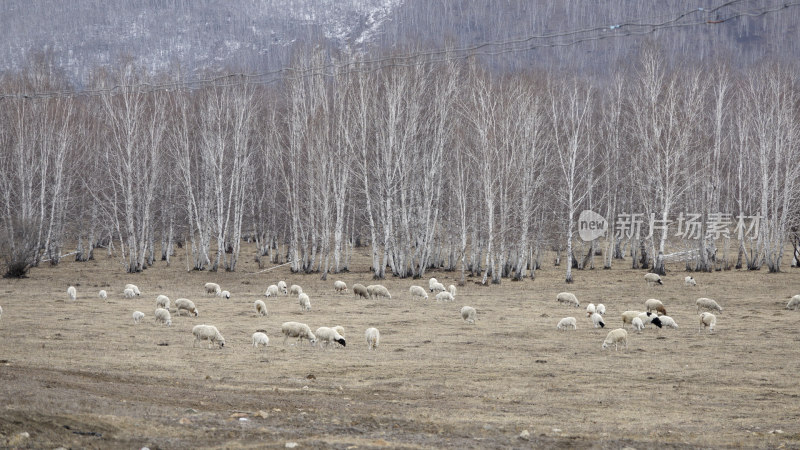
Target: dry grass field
point(82, 375)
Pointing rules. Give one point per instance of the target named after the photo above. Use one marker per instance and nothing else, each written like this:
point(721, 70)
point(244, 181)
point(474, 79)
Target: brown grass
point(83, 375)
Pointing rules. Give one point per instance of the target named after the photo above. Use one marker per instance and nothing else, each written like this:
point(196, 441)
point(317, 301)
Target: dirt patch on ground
point(82, 374)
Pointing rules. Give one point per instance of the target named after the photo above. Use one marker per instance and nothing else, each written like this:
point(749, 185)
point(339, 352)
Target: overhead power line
point(637, 27)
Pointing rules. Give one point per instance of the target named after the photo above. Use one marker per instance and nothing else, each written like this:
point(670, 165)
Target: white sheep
point(72, 293)
point(103, 294)
point(261, 307)
point(444, 296)
point(616, 337)
point(708, 304)
point(260, 338)
point(707, 320)
point(653, 304)
point(379, 290)
point(208, 333)
point(162, 315)
point(452, 290)
point(566, 323)
point(648, 317)
point(359, 290)
point(597, 320)
point(437, 287)
point(224, 294)
point(637, 324)
point(467, 313)
point(295, 290)
point(129, 293)
point(432, 282)
point(339, 286)
point(668, 321)
point(590, 309)
point(272, 291)
point(282, 287)
point(328, 335)
point(627, 316)
point(652, 279)
point(134, 287)
point(162, 301)
point(601, 309)
point(373, 338)
point(305, 302)
point(794, 303)
point(418, 291)
point(297, 330)
point(689, 281)
point(184, 304)
point(212, 288)
point(568, 298)
point(138, 316)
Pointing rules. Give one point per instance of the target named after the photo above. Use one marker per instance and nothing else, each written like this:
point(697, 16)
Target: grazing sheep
point(707, 320)
point(566, 323)
point(359, 290)
point(452, 290)
point(138, 316)
point(653, 304)
point(373, 338)
point(184, 304)
point(224, 294)
point(212, 288)
point(568, 298)
point(260, 338)
point(601, 309)
point(339, 286)
point(208, 333)
point(444, 296)
point(648, 317)
point(437, 287)
point(418, 291)
point(627, 316)
point(72, 293)
point(162, 301)
point(637, 324)
point(295, 290)
point(652, 279)
point(328, 335)
point(689, 281)
point(297, 330)
point(378, 290)
point(134, 287)
point(261, 307)
point(668, 321)
point(590, 309)
point(282, 287)
point(432, 282)
point(103, 294)
point(305, 302)
point(129, 293)
point(794, 303)
point(597, 320)
point(467, 313)
point(616, 337)
point(272, 291)
point(162, 315)
point(708, 304)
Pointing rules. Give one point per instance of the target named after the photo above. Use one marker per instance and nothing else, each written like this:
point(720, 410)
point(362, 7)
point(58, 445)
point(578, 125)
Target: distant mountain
point(203, 36)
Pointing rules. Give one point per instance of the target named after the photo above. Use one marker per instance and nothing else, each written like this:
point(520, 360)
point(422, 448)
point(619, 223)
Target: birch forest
point(442, 164)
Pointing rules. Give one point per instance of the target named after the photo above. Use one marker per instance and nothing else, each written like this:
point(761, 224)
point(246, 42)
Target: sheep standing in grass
point(616, 337)
point(138, 316)
point(72, 293)
point(162, 315)
point(567, 323)
point(418, 291)
point(162, 301)
point(438, 287)
point(689, 281)
point(134, 288)
point(707, 320)
point(305, 302)
point(468, 314)
point(568, 298)
point(328, 335)
point(668, 321)
point(652, 279)
point(452, 290)
point(707, 304)
point(339, 286)
point(794, 303)
point(373, 338)
point(597, 320)
point(103, 294)
point(359, 290)
point(260, 307)
point(212, 288)
point(601, 309)
point(590, 309)
point(653, 304)
point(272, 291)
point(184, 304)
point(224, 294)
point(379, 291)
point(282, 287)
point(637, 324)
point(648, 317)
point(260, 338)
point(297, 330)
point(444, 296)
point(432, 282)
point(208, 333)
point(295, 290)
point(129, 293)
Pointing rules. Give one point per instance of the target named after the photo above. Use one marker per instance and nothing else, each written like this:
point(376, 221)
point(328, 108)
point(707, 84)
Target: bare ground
point(83, 375)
